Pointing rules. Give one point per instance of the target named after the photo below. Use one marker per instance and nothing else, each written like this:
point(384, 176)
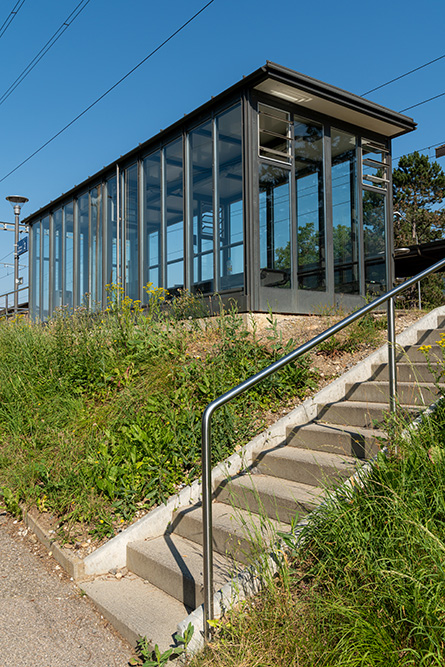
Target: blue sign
point(22, 246)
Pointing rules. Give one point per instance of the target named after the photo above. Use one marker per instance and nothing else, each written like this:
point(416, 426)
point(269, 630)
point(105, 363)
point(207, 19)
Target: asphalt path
point(44, 619)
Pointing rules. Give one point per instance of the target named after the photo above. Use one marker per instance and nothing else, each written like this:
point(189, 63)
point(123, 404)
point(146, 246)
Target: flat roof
point(283, 83)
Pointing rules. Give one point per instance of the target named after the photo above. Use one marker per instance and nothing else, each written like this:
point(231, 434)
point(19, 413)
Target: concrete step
point(408, 393)
point(358, 442)
point(359, 413)
point(406, 372)
point(237, 533)
point(429, 337)
point(270, 496)
point(414, 354)
point(306, 466)
point(136, 608)
point(175, 565)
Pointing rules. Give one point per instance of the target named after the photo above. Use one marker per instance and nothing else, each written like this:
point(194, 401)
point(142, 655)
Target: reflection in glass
point(230, 193)
point(374, 167)
point(344, 212)
point(45, 268)
point(112, 253)
point(152, 219)
point(275, 247)
point(174, 215)
point(374, 213)
point(57, 259)
point(310, 205)
point(69, 254)
point(83, 249)
point(201, 177)
point(131, 232)
point(96, 245)
point(274, 133)
point(35, 280)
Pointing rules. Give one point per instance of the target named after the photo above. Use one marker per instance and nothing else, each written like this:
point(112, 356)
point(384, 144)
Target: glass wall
point(96, 246)
point(111, 233)
point(45, 268)
point(201, 179)
point(68, 215)
point(152, 219)
point(57, 258)
point(35, 270)
point(83, 245)
point(275, 242)
point(174, 215)
point(131, 231)
point(344, 212)
point(309, 202)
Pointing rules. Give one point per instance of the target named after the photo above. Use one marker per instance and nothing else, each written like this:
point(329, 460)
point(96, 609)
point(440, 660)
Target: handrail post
point(392, 369)
point(207, 538)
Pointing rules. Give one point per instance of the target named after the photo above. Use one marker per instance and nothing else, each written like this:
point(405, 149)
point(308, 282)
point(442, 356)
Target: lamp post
point(16, 202)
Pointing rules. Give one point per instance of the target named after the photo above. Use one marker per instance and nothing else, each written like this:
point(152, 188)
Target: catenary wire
point(12, 14)
point(401, 76)
point(96, 101)
point(49, 44)
point(423, 102)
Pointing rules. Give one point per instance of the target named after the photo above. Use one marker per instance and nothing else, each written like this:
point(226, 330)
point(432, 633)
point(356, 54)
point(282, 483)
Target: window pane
point(275, 249)
point(230, 192)
point(45, 268)
point(274, 133)
point(96, 245)
point(310, 205)
point(344, 212)
point(35, 305)
point(112, 253)
point(69, 255)
point(152, 219)
point(374, 240)
point(83, 246)
point(201, 160)
point(374, 169)
point(174, 215)
point(131, 232)
point(57, 259)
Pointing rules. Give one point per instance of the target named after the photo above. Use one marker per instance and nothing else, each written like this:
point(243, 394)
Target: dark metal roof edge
point(339, 95)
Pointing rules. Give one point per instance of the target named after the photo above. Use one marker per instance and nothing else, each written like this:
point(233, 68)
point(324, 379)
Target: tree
point(418, 188)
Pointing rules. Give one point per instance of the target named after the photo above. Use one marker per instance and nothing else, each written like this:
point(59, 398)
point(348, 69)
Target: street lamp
point(16, 202)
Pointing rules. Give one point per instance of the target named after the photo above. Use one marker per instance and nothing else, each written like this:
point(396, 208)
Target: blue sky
point(353, 45)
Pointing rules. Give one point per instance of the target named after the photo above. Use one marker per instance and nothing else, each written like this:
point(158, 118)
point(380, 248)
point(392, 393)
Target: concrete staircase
point(162, 580)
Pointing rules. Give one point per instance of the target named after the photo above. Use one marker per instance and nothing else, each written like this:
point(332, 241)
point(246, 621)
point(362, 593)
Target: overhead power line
point(419, 150)
point(12, 14)
point(423, 102)
point(397, 78)
point(49, 44)
point(93, 104)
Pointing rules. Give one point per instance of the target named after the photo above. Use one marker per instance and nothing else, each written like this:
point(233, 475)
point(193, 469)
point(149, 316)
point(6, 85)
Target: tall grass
point(368, 585)
point(100, 412)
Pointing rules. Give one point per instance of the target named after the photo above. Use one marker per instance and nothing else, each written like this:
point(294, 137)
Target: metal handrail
point(266, 372)
point(6, 308)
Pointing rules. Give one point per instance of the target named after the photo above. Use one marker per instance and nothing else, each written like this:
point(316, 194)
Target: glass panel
point(35, 305)
point(131, 232)
point(152, 219)
point(96, 246)
point(111, 227)
point(201, 156)
point(174, 215)
point(45, 268)
point(57, 259)
point(69, 255)
point(310, 205)
point(374, 169)
point(344, 212)
point(374, 212)
point(275, 247)
point(230, 192)
point(83, 246)
point(274, 133)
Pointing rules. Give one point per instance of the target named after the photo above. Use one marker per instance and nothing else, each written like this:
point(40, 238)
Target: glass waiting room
point(276, 193)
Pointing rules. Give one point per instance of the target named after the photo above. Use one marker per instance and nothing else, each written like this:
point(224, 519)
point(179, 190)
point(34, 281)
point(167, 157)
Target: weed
point(154, 658)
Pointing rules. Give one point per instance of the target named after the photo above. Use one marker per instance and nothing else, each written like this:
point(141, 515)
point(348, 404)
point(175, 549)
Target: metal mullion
point(216, 222)
point(50, 262)
point(62, 259)
point(75, 254)
point(389, 225)
point(105, 229)
point(361, 233)
point(140, 224)
point(329, 233)
point(249, 154)
point(293, 239)
point(188, 217)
